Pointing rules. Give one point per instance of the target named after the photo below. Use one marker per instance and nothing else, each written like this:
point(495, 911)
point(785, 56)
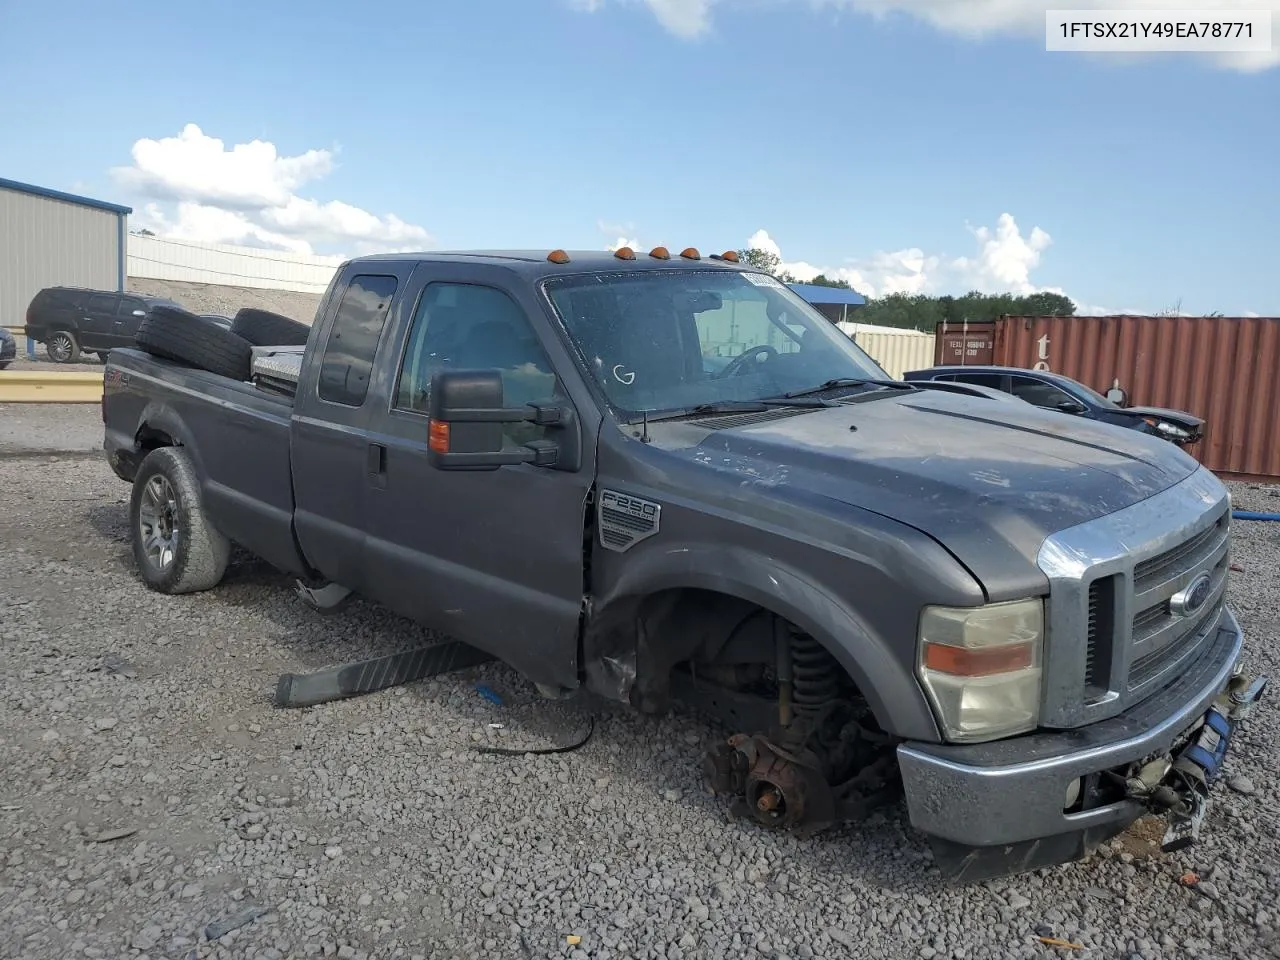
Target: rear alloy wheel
point(176, 548)
point(61, 347)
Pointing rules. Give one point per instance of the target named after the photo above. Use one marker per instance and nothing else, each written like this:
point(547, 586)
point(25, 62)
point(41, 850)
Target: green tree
point(920, 312)
point(821, 281)
point(767, 261)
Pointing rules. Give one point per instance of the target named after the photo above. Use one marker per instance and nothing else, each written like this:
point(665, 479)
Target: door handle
point(376, 461)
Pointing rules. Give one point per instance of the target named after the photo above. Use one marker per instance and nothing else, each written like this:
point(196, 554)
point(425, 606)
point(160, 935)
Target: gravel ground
point(58, 428)
point(154, 791)
point(197, 297)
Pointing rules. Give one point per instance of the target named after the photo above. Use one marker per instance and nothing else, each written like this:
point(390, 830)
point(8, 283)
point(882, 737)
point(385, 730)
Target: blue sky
point(934, 147)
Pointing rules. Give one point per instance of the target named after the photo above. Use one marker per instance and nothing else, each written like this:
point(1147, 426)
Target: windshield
point(663, 341)
point(1084, 392)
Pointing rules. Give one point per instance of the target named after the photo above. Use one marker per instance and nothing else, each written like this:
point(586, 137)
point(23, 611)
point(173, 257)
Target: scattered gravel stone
point(403, 843)
point(1242, 785)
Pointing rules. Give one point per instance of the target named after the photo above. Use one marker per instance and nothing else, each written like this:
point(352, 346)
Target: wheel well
point(149, 438)
point(720, 637)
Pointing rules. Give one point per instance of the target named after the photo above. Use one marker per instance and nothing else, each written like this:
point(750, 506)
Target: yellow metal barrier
point(29, 386)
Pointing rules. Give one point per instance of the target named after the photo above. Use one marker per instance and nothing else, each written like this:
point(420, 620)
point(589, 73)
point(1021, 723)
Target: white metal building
point(49, 238)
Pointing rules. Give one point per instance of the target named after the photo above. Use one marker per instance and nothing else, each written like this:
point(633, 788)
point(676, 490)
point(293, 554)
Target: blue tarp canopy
point(816, 293)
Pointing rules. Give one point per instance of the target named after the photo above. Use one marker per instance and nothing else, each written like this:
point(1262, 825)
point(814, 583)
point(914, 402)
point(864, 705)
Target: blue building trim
point(67, 197)
point(816, 293)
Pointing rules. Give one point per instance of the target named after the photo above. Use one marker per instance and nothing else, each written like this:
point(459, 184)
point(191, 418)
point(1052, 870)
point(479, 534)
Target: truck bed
point(237, 434)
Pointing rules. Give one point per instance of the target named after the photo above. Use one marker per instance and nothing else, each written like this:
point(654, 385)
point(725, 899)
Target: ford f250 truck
point(665, 478)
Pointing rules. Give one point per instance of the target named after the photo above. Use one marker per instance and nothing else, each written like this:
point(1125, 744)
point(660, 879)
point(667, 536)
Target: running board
point(370, 676)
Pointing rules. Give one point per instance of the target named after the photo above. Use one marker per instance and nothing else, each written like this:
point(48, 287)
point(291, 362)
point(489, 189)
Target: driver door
point(493, 558)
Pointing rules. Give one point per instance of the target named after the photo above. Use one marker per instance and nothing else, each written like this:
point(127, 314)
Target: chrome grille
point(1113, 636)
point(1146, 668)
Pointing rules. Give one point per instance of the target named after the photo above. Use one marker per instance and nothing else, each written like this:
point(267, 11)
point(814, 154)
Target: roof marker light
point(660, 253)
point(730, 255)
point(558, 256)
point(625, 253)
point(691, 253)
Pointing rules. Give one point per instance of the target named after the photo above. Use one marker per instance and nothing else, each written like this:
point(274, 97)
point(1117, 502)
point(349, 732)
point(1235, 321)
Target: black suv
point(1053, 391)
point(71, 320)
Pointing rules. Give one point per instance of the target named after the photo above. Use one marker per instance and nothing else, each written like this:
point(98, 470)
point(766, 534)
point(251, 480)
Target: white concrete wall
point(164, 258)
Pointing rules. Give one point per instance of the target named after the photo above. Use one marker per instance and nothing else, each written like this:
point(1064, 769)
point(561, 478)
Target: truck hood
point(989, 482)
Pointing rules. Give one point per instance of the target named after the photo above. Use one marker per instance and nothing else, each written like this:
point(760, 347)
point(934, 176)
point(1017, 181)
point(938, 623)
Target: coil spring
point(815, 675)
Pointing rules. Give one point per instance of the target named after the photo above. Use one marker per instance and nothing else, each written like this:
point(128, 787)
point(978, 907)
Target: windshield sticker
point(762, 279)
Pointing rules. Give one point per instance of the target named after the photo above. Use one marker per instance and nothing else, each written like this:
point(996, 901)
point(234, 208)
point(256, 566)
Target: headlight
point(1173, 430)
point(1170, 429)
point(981, 668)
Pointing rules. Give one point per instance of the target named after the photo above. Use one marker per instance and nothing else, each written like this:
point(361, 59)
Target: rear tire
point(262, 328)
point(175, 546)
point(178, 335)
point(61, 347)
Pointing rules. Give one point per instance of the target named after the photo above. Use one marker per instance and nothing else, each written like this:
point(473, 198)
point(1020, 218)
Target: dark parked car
point(1053, 391)
point(8, 348)
point(74, 320)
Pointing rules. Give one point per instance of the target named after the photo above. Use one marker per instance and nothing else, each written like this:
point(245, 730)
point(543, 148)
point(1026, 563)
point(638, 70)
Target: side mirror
point(1072, 406)
point(466, 425)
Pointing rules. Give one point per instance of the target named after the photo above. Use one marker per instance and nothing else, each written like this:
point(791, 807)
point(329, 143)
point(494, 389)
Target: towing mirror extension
point(467, 417)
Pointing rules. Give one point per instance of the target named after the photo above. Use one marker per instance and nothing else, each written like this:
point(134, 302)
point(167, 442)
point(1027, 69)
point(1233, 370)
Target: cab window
point(353, 341)
point(464, 326)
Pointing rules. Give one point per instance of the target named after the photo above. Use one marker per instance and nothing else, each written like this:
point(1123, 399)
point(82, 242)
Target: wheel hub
point(158, 525)
point(773, 787)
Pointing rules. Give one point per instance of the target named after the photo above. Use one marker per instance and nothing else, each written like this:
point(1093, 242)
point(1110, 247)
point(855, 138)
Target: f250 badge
point(1191, 597)
point(625, 520)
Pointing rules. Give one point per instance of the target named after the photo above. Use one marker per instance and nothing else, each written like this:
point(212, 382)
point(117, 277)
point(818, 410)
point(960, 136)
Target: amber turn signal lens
point(977, 661)
point(558, 256)
point(438, 436)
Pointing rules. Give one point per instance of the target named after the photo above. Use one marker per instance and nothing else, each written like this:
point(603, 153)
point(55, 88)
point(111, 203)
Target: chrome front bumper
point(1013, 791)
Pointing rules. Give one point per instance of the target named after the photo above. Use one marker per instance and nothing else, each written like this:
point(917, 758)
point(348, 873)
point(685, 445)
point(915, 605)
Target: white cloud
point(1003, 264)
point(201, 190)
point(1006, 258)
point(970, 19)
point(687, 19)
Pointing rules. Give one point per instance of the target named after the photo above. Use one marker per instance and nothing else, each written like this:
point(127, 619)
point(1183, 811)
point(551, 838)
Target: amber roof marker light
point(625, 253)
point(558, 256)
point(729, 255)
point(660, 253)
point(691, 253)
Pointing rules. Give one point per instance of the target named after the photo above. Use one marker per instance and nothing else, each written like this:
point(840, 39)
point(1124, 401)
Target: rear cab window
point(347, 363)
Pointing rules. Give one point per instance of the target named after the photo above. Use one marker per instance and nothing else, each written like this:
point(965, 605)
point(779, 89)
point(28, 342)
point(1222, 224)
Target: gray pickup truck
point(664, 478)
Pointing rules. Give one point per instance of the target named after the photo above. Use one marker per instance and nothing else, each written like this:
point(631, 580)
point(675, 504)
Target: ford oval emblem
point(1191, 597)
